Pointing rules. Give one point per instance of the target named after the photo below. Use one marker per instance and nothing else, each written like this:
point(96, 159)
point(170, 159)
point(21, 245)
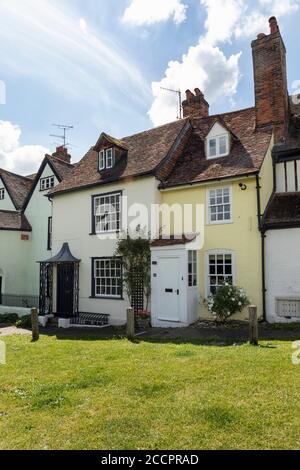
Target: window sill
point(106, 298)
point(109, 232)
point(223, 222)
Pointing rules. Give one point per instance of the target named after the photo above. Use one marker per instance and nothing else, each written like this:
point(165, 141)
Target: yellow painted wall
point(241, 236)
point(266, 178)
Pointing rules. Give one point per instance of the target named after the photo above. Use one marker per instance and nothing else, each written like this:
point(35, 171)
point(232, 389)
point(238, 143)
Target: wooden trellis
point(137, 291)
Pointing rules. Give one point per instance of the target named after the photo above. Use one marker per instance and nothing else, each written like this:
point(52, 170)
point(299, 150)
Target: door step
point(90, 320)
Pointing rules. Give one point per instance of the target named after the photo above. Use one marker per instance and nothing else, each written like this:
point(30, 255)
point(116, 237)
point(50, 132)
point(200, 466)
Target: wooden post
point(130, 323)
point(253, 325)
point(35, 325)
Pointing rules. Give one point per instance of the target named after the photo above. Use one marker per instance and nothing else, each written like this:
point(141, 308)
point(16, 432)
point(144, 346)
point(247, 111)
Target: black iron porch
point(62, 299)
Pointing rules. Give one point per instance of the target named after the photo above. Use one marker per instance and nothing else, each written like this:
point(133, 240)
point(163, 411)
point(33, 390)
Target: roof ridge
point(183, 120)
point(250, 108)
point(15, 174)
point(60, 160)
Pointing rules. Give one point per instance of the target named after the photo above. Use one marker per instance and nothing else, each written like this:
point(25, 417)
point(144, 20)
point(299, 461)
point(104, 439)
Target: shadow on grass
point(210, 337)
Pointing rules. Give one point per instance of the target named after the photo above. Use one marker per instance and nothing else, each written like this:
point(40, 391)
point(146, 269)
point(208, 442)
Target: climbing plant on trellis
point(136, 259)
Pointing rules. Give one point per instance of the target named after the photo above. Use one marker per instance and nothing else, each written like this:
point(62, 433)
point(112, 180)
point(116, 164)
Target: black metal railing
point(23, 301)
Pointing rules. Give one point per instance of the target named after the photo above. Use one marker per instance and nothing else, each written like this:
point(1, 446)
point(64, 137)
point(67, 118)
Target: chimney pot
point(273, 25)
point(189, 95)
point(195, 105)
point(62, 154)
point(61, 149)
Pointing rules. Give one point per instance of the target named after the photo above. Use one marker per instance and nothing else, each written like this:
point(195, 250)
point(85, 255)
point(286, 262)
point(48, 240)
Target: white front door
point(169, 289)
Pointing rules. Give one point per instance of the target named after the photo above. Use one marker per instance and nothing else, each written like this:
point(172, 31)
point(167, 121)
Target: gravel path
point(12, 330)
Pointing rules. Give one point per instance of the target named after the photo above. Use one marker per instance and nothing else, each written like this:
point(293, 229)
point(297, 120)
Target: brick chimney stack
point(270, 79)
point(195, 105)
point(62, 154)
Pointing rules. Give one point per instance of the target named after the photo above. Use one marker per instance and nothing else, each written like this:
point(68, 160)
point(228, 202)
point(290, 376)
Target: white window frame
point(110, 215)
point(107, 159)
point(102, 160)
point(2, 194)
point(208, 206)
point(217, 138)
point(47, 183)
point(109, 282)
point(207, 268)
point(194, 274)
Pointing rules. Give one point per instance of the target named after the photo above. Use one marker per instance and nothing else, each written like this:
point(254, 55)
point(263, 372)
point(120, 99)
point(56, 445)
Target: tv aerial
point(179, 95)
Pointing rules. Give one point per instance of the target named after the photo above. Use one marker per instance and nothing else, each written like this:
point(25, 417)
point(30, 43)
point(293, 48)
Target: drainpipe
point(263, 245)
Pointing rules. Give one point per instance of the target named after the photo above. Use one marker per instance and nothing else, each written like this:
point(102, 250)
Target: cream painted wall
point(75, 228)
point(37, 213)
point(242, 237)
point(6, 204)
point(14, 259)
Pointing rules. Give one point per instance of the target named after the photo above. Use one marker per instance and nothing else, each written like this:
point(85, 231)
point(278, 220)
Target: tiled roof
point(17, 186)
point(64, 169)
point(173, 240)
point(12, 220)
point(146, 151)
point(246, 156)
point(283, 211)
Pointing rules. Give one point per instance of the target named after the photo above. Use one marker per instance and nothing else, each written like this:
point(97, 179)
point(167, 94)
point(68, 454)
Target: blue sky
point(99, 65)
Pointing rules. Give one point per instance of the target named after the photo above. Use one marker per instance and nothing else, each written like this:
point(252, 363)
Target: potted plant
point(143, 319)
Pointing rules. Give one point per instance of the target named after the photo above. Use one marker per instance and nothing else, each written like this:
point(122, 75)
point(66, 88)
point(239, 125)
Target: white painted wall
point(76, 229)
point(291, 177)
point(6, 204)
point(282, 270)
point(37, 212)
point(14, 259)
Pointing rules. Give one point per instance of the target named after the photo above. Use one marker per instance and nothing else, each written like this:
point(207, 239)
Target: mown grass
point(114, 394)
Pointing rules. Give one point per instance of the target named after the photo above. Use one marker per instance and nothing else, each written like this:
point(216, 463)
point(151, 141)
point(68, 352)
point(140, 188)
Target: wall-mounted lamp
point(243, 187)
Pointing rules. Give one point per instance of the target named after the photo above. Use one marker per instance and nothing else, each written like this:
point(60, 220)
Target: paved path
point(12, 330)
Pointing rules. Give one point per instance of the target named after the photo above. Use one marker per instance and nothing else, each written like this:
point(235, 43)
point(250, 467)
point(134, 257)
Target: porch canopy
point(67, 287)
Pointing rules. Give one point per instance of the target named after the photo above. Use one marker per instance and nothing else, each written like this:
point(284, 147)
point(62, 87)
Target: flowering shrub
point(227, 301)
point(144, 314)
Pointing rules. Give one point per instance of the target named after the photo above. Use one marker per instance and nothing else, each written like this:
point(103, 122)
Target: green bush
point(227, 301)
point(8, 318)
point(24, 322)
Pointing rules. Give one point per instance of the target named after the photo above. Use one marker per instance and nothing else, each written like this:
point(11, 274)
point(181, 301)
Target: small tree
point(136, 257)
point(227, 301)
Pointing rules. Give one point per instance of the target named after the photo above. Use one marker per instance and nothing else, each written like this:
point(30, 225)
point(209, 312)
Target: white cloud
point(83, 25)
point(49, 45)
point(205, 65)
point(148, 12)
point(23, 159)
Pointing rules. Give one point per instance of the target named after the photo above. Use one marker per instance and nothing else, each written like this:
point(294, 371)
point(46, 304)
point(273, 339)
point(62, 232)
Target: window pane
point(220, 270)
point(220, 208)
point(107, 210)
point(223, 145)
point(108, 279)
point(212, 148)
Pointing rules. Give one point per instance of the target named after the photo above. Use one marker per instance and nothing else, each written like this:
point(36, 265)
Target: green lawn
point(113, 394)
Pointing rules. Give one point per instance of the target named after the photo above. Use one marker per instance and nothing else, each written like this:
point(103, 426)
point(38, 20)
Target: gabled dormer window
point(47, 183)
point(107, 159)
point(218, 146)
point(217, 142)
point(2, 194)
